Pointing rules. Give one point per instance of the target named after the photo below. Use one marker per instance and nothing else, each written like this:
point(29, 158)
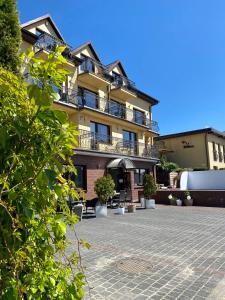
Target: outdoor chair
point(91, 203)
point(128, 196)
point(78, 210)
point(122, 198)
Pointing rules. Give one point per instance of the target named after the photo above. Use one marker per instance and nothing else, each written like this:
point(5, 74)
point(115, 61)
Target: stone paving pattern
point(167, 253)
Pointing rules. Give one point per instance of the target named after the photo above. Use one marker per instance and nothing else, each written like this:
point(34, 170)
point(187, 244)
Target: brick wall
point(96, 167)
point(201, 198)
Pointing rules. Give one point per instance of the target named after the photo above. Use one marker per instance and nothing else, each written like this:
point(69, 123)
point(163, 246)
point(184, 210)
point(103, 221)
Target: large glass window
point(87, 64)
point(88, 98)
point(100, 132)
point(139, 176)
point(139, 117)
point(80, 178)
point(129, 140)
point(117, 109)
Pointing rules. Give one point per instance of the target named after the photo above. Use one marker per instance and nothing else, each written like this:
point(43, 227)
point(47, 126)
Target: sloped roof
point(114, 64)
point(49, 19)
point(192, 132)
point(87, 44)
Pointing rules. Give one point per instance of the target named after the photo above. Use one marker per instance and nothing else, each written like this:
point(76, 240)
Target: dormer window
point(38, 32)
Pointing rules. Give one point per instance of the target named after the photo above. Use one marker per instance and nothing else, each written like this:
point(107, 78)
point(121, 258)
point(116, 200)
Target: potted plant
point(188, 201)
point(104, 187)
point(121, 209)
point(174, 200)
point(150, 189)
point(142, 201)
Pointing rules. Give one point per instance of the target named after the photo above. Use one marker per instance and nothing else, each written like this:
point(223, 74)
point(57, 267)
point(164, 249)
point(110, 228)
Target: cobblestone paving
point(166, 253)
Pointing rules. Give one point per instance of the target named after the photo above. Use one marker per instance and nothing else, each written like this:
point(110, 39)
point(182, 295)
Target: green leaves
point(36, 144)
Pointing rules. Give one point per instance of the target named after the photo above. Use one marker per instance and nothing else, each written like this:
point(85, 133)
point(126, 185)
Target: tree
point(10, 34)
point(36, 145)
point(150, 187)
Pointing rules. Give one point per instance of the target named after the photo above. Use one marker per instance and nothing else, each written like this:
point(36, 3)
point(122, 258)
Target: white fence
point(203, 180)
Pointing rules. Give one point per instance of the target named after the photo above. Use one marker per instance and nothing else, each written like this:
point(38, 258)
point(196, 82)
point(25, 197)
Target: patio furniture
point(91, 203)
point(78, 210)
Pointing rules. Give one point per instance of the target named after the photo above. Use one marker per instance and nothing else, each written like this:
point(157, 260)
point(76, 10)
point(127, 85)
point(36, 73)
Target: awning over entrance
point(125, 163)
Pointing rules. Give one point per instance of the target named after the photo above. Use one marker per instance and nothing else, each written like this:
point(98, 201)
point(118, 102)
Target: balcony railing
point(49, 43)
point(122, 81)
point(97, 142)
point(92, 66)
point(108, 106)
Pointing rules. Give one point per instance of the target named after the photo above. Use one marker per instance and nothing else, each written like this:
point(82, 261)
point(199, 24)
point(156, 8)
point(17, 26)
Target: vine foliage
point(36, 146)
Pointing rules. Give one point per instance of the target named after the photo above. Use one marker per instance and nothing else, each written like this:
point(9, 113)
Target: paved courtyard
point(167, 253)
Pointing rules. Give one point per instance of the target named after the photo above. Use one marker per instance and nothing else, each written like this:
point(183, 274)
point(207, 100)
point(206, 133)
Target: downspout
point(207, 150)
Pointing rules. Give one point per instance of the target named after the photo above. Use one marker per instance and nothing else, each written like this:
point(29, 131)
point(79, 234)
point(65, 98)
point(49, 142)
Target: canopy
point(125, 163)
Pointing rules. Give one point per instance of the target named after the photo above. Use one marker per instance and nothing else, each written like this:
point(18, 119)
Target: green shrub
point(104, 188)
point(150, 187)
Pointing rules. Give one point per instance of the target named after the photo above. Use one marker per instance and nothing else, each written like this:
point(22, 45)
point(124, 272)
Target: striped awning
point(125, 163)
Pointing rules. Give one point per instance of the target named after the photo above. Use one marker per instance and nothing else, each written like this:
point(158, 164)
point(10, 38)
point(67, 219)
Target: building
point(114, 117)
point(197, 149)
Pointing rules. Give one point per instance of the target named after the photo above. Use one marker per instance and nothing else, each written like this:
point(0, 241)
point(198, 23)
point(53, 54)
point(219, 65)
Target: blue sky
point(173, 49)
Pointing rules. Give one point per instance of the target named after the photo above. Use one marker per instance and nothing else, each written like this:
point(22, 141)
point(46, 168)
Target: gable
point(86, 49)
point(45, 24)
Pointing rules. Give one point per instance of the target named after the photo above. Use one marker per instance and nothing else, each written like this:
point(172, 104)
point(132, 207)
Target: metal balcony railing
point(92, 66)
point(102, 143)
point(107, 106)
point(49, 43)
point(122, 81)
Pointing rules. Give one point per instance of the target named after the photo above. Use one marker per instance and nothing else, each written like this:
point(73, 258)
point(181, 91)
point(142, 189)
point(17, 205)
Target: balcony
point(123, 88)
point(93, 73)
point(48, 43)
point(109, 107)
point(94, 142)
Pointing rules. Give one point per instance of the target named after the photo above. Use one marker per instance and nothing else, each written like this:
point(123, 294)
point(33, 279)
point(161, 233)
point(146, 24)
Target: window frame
point(97, 124)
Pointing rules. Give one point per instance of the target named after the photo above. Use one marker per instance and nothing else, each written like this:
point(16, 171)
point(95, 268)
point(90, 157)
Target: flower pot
point(101, 211)
point(173, 202)
point(179, 202)
point(131, 208)
point(149, 203)
point(188, 202)
point(142, 200)
point(121, 210)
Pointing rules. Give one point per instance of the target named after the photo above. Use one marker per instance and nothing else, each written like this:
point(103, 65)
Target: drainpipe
point(207, 150)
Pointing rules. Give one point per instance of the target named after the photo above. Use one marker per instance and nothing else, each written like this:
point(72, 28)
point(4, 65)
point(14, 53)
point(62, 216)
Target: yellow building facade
point(197, 149)
point(114, 117)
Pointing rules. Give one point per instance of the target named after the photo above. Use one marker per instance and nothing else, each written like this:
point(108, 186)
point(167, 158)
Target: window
point(88, 98)
point(129, 140)
point(87, 64)
point(80, 178)
point(139, 117)
point(38, 32)
point(215, 154)
point(139, 176)
point(117, 109)
point(220, 153)
point(100, 132)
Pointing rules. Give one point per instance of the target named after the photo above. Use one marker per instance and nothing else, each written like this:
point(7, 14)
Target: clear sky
point(174, 50)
